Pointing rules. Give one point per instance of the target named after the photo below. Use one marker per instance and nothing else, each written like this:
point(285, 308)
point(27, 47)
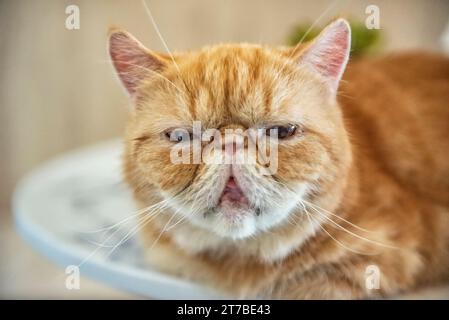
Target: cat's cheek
point(300, 163)
point(156, 167)
point(174, 178)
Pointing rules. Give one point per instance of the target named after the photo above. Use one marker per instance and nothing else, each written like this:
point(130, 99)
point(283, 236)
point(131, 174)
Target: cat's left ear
point(328, 53)
point(133, 62)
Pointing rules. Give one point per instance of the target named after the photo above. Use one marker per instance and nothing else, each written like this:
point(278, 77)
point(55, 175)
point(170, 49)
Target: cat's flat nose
point(235, 152)
point(234, 142)
point(231, 148)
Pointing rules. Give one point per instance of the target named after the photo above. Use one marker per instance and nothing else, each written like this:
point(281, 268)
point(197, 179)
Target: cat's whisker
point(311, 219)
point(192, 212)
point(156, 28)
point(103, 244)
point(148, 213)
point(182, 219)
point(291, 220)
point(314, 206)
point(99, 244)
point(164, 228)
point(142, 222)
point(138, 213)
point(158, 207)
point(349, 231)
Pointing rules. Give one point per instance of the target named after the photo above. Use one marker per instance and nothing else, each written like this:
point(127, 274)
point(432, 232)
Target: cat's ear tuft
point(328, 53)
point(132, 61)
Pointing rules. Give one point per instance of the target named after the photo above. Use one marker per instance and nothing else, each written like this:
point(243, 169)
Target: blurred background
point(58, 91)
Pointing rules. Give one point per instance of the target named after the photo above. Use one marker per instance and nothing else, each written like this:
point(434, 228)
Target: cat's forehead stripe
point(237, 82)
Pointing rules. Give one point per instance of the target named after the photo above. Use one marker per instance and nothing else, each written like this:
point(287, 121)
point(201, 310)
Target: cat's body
point(377, 206)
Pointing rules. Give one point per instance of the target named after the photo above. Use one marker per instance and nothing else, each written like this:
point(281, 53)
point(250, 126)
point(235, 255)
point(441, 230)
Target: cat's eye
point(179, 135)
point(282, 132)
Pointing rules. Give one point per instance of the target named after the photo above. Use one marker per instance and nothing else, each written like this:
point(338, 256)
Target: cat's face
point(236, 87)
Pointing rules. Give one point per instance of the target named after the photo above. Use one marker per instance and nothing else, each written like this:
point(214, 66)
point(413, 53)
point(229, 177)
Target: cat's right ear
point(132, 61)
point(328, 53)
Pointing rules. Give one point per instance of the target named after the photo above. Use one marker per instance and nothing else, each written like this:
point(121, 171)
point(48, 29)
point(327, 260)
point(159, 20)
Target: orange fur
point(377, 158)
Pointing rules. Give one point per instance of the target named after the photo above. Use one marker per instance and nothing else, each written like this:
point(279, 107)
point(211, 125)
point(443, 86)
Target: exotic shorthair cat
point(361, 186)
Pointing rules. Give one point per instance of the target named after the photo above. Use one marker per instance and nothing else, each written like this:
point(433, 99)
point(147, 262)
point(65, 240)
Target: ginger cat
point(362, 183)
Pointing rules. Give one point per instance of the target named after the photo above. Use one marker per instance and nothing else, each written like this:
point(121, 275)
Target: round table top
point(77, 211)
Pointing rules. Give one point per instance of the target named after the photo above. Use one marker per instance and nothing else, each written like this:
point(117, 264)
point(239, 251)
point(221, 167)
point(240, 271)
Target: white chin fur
point(242, 226)
point(236, 231)
point(247, 233)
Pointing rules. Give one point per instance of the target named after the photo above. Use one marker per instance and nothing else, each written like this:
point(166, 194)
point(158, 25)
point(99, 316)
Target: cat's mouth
point(233, 194)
